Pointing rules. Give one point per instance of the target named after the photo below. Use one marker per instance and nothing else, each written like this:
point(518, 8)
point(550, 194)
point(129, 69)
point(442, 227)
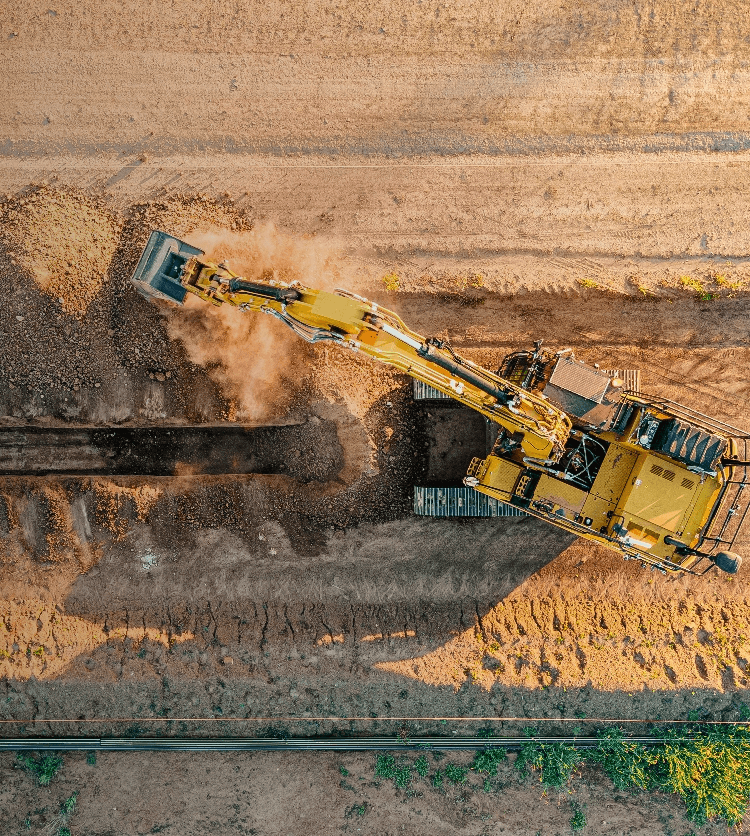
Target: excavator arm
point(535, 425)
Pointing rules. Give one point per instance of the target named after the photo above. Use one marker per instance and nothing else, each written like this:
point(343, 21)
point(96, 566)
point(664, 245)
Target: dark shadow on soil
point(156, 689)
point(591, 317)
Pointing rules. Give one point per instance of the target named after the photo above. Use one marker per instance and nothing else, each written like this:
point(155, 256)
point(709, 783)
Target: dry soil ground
point(562, 170)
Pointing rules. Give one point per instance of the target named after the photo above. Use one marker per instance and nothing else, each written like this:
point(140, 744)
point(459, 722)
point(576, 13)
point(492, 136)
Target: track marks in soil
point(562, 642)
point(573, 642)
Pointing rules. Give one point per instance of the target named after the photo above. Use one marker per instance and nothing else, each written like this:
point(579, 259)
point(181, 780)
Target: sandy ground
point(548, 169)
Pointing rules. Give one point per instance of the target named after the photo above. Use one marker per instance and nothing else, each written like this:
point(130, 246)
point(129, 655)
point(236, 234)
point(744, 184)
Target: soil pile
point(73, 322)
point(64, 239)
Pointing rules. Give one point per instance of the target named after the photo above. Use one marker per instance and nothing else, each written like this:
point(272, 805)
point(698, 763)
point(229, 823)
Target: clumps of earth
point(64, 240)
point(110, 358)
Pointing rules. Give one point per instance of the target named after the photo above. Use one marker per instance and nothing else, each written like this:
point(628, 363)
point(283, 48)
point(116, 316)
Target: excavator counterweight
point(643, 476)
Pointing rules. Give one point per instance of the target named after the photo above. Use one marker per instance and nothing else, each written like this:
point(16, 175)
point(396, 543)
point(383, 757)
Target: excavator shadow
point(237, 666)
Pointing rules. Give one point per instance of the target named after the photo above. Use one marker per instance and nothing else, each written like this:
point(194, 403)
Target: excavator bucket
point(158, 272)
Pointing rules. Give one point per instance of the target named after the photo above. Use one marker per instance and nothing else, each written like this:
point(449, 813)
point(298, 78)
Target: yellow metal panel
point(660, 492)
point(596, 509)
point(338, 310)
point(614, 473)
point(501, 475)
point(560, 493)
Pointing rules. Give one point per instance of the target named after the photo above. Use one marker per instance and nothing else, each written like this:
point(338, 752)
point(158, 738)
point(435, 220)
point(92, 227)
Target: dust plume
point(265, 252)
point(255, 358)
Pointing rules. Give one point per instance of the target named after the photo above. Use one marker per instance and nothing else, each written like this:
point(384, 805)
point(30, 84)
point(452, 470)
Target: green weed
point(475, 281)
point(384, 766)
point(710, 772)
point(44, 768)
point(628, 764)
point(487, 760)
point(391, 282)
point(554, 761)
point(91, 758)
point(421, 766)
point(708, 767)
point(69, 805)
point(587, 283)
point(437, 779)
point(400, 773)
point(578, 819)
point(456, 774)
point(692, 284)
point(724, 282)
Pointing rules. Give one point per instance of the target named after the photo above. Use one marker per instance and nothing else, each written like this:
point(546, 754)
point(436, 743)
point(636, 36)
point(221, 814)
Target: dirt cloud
point(253, 357)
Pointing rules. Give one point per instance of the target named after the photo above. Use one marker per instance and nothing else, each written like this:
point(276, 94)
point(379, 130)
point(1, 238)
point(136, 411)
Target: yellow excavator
point(572, 445)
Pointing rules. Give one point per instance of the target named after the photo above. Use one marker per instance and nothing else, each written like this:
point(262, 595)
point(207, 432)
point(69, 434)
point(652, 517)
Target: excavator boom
point(363, 326)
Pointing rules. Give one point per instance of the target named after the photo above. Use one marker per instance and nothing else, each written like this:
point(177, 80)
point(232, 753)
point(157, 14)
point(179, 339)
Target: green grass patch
point(43, 768)
point(555, 762)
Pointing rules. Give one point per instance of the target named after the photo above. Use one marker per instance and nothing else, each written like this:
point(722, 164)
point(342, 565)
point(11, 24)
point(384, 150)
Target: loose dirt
point(533, 171)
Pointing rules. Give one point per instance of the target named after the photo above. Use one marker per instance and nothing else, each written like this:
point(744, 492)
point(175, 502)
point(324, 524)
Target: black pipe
point(346, 744)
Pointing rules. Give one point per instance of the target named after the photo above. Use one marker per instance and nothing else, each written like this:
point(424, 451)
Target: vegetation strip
point(708, 767)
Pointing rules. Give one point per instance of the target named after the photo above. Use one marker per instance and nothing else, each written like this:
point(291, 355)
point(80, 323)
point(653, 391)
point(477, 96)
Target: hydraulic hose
point(429, 352)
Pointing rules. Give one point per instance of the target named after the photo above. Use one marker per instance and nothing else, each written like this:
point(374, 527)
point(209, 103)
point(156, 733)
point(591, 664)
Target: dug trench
point(307, 452)
point(247, 599)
